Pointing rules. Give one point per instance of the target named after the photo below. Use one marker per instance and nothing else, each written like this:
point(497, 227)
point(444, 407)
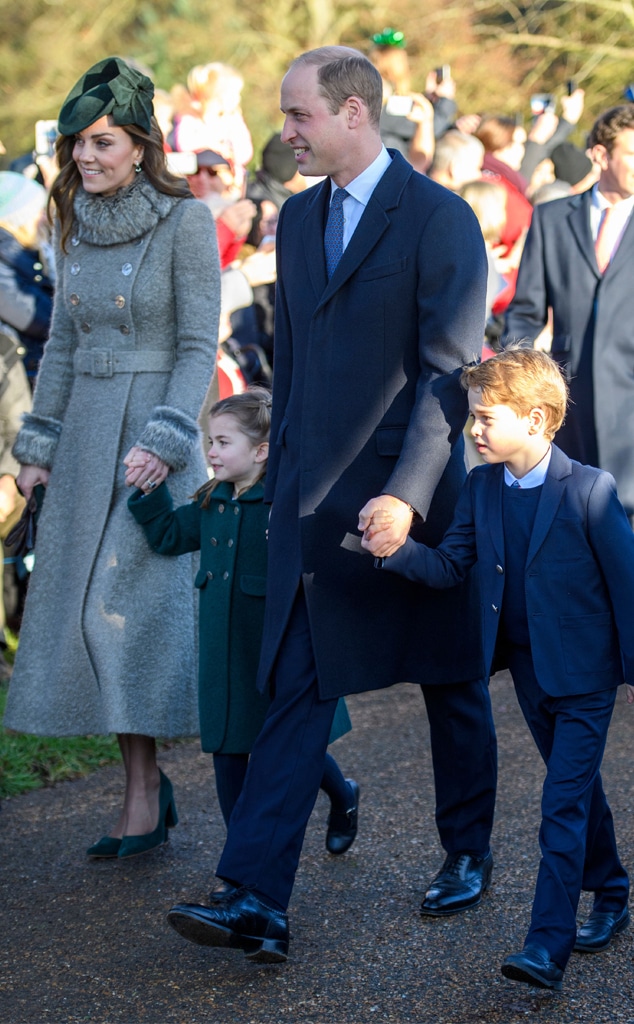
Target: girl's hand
point(145, 470)
point(29, 476)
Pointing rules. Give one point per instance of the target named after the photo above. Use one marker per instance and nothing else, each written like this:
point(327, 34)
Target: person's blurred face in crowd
point(213, 180)
point(105, 156)
point(617, 168)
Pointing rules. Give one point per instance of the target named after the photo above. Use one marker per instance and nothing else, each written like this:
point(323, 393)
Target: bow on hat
point(110, 87)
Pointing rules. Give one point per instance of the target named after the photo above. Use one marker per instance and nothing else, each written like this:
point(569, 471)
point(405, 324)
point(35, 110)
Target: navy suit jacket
point(579, 575)
point(366, 399)
point(592, 331)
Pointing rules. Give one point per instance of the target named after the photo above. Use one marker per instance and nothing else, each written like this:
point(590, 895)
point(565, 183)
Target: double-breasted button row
point(236, 509)
point(74, 300)
point(214, 542)
point(210, 575)
point(75, 268)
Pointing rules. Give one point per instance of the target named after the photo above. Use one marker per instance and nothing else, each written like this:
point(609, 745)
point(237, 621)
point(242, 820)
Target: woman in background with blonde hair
point(209, 115)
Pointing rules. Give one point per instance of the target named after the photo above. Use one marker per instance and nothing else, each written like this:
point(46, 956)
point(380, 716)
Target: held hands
point(29, 476)
point(145, 470)
point(385, 522)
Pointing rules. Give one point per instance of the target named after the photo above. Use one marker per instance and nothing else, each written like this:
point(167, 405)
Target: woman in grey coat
point(108, 638)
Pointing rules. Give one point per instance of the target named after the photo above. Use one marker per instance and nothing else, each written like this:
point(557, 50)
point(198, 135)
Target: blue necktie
point(516, 483)
point(333, 237)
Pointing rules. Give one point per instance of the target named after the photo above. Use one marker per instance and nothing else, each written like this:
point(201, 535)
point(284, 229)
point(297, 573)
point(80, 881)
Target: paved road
point(82, 941)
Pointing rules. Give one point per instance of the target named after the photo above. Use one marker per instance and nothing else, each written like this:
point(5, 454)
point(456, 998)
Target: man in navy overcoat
point(367, 415)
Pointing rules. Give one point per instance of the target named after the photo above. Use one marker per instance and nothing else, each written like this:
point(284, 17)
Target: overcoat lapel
point(579, 220)
point(373, 224)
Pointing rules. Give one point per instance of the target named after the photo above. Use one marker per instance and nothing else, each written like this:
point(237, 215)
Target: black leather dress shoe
point(458, 885)
point(343, 825)
point(599, 930)
point(221, 893)
point(534, 967)
point(239, 921)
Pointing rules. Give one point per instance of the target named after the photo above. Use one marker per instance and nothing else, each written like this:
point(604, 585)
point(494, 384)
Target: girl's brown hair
point(252, 409)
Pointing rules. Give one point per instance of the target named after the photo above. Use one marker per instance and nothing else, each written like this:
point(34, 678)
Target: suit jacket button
point(499, 569)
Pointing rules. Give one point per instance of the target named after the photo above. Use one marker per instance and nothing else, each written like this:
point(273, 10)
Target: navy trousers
point(266, 829)
point(576, 836)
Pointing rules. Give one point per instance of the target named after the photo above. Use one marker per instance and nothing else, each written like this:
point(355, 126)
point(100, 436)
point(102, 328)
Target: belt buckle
point(102, 362)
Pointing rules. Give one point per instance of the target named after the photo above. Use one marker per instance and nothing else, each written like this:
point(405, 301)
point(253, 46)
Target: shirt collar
point(362, 187)
point(534, 478)
point(600, 202)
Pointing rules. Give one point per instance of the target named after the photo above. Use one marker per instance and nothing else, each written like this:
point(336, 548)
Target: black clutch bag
point(21, 539)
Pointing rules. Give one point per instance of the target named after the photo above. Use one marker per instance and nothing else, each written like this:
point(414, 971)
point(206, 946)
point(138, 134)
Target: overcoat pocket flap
point(389, 440)
point(253, 585)
point(383, 270)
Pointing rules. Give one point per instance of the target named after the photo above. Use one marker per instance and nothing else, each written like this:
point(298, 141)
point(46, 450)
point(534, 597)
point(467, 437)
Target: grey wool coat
point(231, 536)
point(108, 641)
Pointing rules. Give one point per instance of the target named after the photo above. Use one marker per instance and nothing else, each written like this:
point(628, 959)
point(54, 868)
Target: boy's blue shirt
point(579, 577)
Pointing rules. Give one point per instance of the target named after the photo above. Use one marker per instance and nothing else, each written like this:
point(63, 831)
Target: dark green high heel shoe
point(107, 848)
point(132, 846)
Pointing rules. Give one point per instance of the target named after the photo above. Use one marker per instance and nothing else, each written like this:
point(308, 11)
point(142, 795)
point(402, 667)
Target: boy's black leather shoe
point(343, 825)
point(458, 885)
point(534, 967)
point(239, 921)
point(599, 930)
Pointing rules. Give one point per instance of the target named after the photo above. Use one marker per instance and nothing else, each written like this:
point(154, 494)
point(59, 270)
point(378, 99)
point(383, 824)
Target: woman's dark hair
point(68, 180)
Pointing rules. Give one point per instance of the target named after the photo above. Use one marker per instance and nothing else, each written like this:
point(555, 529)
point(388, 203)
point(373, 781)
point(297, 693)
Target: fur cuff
point(36, 442)
point(171, 435)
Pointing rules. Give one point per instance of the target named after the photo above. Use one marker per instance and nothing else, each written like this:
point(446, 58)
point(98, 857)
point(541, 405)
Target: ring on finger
point(151, 484)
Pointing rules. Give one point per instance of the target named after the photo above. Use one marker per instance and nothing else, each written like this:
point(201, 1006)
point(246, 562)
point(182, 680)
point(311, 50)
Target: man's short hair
point(524, 379)
point(343, 72)
point(608, 126)
point(454, 144)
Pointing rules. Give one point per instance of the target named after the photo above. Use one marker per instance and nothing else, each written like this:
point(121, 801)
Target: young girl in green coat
point(227, 522)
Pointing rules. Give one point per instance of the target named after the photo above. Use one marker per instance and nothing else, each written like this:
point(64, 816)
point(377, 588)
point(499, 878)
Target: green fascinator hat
point(109, 87)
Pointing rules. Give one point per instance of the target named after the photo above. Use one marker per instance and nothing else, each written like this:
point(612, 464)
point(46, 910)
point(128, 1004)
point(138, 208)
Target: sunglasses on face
point(211, 171)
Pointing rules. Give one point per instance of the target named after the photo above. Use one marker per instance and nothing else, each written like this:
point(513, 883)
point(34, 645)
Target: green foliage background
point(500, 52)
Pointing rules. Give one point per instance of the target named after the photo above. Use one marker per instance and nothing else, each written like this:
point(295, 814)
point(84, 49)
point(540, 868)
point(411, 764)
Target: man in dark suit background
point(578, 262)
point(376, 313)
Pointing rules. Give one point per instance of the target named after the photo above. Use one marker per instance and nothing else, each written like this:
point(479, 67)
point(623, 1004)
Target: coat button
point(236, 510)
point(75, 269)
point(495, 608)
point(86, 328)
point(221, 508)
point(225, 575)
point(74, 240)
point(119, 301)
point(37, 277)
point(230, 543)
point(124, 329)
point(210, 575)
point(38, 266)
point(214, 542)
point(499, 569)
point(126, 269)
point(73, 299)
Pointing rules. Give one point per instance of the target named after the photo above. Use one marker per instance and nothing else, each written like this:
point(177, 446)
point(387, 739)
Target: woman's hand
point(29, 476)
point(145, 470)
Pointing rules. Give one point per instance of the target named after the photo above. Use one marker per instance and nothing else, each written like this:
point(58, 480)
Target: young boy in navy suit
point(555, 555)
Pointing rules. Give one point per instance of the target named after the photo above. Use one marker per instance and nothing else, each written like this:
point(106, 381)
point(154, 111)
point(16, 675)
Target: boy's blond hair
point(523, 379)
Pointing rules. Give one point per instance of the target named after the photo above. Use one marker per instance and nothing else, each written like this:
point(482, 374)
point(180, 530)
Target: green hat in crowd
point(109, 87)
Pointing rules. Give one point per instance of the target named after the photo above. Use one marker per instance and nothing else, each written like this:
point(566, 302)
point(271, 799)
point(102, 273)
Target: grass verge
point(27, 762)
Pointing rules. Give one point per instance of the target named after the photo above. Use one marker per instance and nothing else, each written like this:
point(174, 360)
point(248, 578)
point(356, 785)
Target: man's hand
point(384, 522)
point(629, 693)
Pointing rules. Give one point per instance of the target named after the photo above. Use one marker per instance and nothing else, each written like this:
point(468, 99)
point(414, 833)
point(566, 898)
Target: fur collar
point(128, 214)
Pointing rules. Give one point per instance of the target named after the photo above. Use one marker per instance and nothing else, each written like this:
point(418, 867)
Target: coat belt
point(104, 362)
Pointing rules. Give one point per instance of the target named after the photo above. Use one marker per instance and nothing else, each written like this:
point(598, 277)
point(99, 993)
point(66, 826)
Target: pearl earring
point(137, 168)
